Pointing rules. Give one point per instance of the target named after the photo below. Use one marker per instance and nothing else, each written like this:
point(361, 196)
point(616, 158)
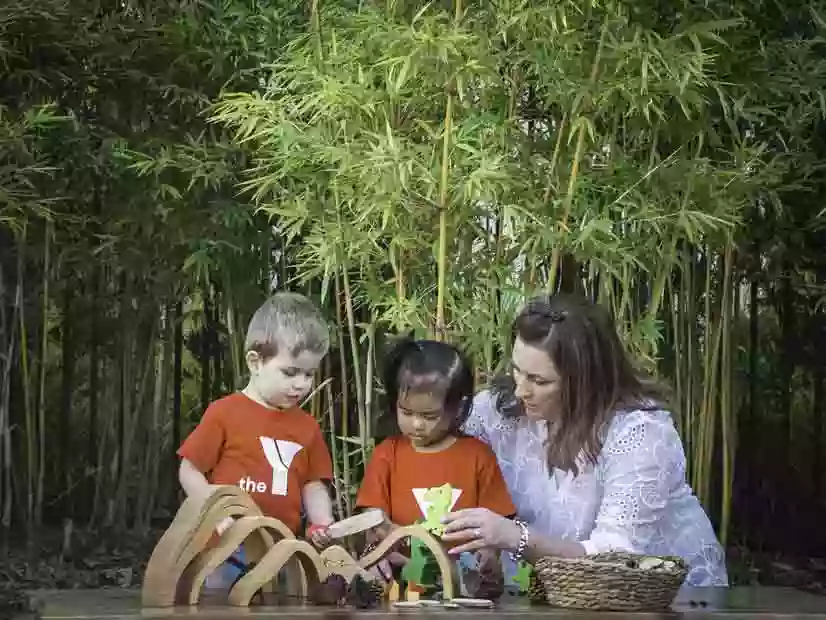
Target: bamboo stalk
point(235, 344)
point(354, 351)
point(345, 383)
point(144, 388)
point(9, 325)
point(368, 383)
point(397, 264)
point(665, 266)
point(726, 410)
point(709, 412)
point(150, 471)
point(29, 425)
point(679, 360)
point(41, 395)
point(441, 265)
point(666, 262)
point(579, 151)
point(688, 324)
point(334, 453)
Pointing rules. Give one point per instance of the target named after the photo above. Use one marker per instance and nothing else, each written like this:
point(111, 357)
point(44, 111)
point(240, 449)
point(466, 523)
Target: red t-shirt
point(271, 454)
point(401, 481)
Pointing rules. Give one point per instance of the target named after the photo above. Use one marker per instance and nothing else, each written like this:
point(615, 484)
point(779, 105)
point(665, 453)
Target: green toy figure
point(523, 576)
point(422, 568)
point(439, 501)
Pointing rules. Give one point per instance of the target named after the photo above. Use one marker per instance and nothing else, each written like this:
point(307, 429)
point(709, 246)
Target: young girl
point(429, 468)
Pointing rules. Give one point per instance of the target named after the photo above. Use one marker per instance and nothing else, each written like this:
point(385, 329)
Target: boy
point(259, 438)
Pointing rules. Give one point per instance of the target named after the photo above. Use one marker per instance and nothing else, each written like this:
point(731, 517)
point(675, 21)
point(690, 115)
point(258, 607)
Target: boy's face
point(421, 417)
point(284, 380)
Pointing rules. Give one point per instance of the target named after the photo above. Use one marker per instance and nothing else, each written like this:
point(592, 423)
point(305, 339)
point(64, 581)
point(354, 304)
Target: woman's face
point(537, 381)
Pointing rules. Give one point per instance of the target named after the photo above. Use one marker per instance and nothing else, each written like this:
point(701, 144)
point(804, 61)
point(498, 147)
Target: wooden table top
point(698, 603)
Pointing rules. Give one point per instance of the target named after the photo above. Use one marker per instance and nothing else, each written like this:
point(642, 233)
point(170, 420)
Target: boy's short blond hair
point(287, 321)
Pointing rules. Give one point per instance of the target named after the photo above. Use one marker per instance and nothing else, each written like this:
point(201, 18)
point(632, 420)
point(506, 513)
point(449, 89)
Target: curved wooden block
point(231, 539)
point(190, 531)
point(446, 566)
point(223, 508)
point(338, 560)
point(270, 565)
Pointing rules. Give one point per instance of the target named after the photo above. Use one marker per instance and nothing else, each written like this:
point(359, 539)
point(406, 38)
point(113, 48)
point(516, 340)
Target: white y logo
point(280, 455)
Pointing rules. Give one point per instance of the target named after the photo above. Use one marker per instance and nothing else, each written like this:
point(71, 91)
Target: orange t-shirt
point(269, 453)
point(398, 479)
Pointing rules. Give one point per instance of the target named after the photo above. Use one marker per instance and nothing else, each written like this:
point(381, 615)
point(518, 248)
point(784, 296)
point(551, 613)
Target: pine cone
point(378, 588)
point(362, 594)
point(330, 592)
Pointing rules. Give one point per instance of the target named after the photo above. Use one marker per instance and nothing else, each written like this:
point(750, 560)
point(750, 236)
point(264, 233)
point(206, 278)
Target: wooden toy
point(356, 524)
point(190, 550)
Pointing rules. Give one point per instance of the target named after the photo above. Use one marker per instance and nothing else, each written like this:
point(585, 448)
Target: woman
point(592, 460)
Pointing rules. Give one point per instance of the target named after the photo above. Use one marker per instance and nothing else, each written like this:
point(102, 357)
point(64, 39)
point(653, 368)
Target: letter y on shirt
point(279, 454)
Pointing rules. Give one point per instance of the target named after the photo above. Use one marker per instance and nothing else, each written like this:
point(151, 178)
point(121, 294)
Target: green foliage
point(208, 152)
point(346, 134)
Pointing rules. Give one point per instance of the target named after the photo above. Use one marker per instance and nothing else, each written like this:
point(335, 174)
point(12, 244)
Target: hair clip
point(555, 316)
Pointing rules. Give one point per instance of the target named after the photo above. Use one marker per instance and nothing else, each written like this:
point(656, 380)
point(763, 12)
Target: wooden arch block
point(275, 559)
point(446, 566)
point(185, 539)
point(257, 533)
point(338, 560)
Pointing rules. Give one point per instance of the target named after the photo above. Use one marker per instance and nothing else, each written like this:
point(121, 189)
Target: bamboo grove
point(413, 167)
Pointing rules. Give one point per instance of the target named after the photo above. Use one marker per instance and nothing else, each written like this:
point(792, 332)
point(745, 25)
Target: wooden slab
point(356, 524)
point(736, 603)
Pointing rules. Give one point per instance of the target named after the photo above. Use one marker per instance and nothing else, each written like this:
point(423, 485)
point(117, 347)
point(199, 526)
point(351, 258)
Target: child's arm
point(315, 496)
point(195, 484)
point(199, 453)
point(317, 503)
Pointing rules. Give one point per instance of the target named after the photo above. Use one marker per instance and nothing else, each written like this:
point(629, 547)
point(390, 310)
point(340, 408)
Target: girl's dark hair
point(596, 375)
point(430, 366)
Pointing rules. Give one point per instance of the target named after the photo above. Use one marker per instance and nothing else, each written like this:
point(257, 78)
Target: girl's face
point(537, 380)
point(421, 417)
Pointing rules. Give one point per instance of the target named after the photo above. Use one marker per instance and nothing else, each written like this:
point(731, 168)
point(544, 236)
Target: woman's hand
point(482, 529)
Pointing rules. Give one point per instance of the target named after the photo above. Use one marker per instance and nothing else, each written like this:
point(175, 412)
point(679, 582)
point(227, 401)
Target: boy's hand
point(318, 536)
point(224, 525)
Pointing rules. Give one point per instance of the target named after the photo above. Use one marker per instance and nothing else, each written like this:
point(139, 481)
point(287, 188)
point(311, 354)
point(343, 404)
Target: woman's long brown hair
point(597, 378)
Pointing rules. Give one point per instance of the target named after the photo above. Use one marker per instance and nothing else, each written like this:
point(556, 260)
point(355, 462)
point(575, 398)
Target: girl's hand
point(482, 529)
point(385, 568)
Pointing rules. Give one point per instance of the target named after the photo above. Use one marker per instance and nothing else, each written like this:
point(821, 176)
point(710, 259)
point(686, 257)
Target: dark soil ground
point(101, 558)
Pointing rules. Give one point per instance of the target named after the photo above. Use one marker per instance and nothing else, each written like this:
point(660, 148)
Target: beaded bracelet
point(313, 528)
point(517, 555)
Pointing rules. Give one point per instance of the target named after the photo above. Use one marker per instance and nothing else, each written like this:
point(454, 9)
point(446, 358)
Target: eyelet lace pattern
point(634, 499)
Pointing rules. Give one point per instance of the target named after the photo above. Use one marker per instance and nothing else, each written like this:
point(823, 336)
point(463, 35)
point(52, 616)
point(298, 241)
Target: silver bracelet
point(522, 546)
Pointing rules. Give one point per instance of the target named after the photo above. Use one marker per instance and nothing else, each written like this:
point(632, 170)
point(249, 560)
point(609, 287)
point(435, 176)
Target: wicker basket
point(612, 581)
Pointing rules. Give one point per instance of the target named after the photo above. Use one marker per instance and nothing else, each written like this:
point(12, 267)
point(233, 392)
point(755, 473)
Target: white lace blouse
point(635, 499)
